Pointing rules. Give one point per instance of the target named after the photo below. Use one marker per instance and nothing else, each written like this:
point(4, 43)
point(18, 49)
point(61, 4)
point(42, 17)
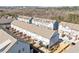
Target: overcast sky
point(39, 2)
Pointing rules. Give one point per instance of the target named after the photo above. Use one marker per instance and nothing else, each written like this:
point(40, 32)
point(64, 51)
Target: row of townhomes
point(37, 35)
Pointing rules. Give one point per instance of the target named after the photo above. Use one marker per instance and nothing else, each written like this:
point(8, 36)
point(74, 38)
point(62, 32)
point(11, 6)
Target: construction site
point(25, 34)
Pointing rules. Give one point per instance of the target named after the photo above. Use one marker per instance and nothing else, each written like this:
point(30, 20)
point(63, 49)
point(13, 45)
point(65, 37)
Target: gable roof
point(4, 20)
point(6, 39)
point(45, 32)
point(43, 20)
point(71, 25)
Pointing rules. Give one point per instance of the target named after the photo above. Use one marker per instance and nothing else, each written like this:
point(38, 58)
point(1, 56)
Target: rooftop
point(37, 19)
point(6, 39)
point(4, 20)
point(45, 32)
point(71, 25)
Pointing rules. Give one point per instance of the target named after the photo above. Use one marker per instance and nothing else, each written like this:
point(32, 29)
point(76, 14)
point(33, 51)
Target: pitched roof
point(37, 19)
point(6, 39)
point(45, 32)
point(71, 25)
point(4, 20)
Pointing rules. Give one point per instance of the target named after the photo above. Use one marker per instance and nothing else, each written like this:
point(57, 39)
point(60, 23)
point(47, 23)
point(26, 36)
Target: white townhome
point(37, 21)
point(46, 35)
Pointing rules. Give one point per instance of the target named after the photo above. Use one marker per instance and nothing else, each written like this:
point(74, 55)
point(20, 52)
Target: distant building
point(70, 31)
point(70, 25)
point(8, 44)
point(37, 21)
point(6, 20)
point(45, 35)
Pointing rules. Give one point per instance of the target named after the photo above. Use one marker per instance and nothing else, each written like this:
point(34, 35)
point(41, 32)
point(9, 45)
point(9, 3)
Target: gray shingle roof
point(6, 39)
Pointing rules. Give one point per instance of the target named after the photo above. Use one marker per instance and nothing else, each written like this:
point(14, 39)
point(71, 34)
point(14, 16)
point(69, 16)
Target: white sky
point(39, 3)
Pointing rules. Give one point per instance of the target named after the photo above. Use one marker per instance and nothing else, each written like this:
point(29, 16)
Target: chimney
point(56, 25)
point(30, 20)
point(17, 17)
